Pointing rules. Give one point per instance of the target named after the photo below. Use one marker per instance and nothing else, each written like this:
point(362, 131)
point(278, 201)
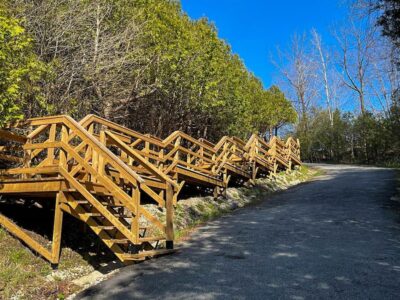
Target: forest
point(143, 64)
point(147, 65)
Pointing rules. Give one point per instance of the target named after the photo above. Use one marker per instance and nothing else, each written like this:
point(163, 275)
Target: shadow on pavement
point(338, 237)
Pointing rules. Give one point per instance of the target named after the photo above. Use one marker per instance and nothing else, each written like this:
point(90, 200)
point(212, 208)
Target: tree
point(390, 24)
point(92, 48)
point(298, 69)
point(390, 19)
point(317, 41)
point(20, 73)
point(144, 64)
point(283, 111)
point(357, 44)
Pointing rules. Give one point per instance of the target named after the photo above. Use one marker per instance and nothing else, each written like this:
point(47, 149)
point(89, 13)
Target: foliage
point(390, 19)
point(366, 138)
point(20, 72)
point(147, 65)
point(272, 110)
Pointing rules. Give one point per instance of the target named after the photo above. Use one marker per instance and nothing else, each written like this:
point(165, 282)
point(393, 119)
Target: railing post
point(63, 153)
point(89, 150)
point(147, 149)
point(161, 157)
point(101, 162)
point(298, 150)
point(288, 147)
point(52, 138)
point(176, 144)
point(201, 152)
point(27, 159)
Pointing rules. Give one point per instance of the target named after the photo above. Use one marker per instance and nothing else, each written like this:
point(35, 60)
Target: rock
point(294, 182)
point(233, 206)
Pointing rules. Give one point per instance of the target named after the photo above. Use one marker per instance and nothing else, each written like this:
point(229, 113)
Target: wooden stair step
point(112, 204)
point(93, 214)
point(115, 214)
point(119, 241)
point(106, 227)
point(152, 238)
point(149, 253)
point(83, 202)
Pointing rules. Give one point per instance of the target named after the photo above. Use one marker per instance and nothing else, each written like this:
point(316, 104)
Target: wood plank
point(10, 136)
point(17, 231)
point(57, 228)
point(150, 253)
point(11, 158)
point(53, 186)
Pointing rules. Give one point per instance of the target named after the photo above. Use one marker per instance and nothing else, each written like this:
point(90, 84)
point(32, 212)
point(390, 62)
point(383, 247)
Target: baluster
point(101, 162)
point(52, 138)
point(63, 153)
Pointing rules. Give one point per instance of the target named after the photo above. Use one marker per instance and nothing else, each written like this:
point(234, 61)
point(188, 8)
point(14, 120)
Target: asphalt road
point(334, 238)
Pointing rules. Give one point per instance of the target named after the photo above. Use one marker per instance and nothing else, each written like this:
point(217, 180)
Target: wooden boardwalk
point(104, 174)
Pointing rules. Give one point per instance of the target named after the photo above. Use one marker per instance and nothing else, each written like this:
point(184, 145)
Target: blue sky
point(255, 27)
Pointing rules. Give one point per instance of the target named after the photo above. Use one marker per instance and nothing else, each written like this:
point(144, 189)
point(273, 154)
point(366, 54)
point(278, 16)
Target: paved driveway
point(337, 238)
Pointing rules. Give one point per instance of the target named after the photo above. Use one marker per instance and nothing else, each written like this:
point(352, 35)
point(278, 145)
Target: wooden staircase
point(60, 148)
point(107, 175)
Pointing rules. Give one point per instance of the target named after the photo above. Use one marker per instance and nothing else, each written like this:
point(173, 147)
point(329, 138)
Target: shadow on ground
point(338, 237)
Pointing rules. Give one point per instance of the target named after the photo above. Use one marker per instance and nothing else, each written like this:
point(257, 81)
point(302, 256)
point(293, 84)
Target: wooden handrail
point(79, 131)
point(148, 166)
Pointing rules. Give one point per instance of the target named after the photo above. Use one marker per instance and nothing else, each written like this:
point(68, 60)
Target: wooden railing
point(59, 146)
point(293, 151)
point(95, 166)
point(175, 157)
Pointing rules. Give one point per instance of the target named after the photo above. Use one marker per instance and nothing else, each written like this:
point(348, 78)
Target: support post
point(169, 217)
point(216, 192)
point(254, 171)
point(57, 229)
point(135, 214)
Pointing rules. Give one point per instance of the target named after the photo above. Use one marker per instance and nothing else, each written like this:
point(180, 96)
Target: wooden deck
point(102, 174)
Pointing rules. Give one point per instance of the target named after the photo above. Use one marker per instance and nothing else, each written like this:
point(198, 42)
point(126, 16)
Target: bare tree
point(323, 61)
point(383, 79)
point(386, 76)
point(357, 43)
point(298, 70)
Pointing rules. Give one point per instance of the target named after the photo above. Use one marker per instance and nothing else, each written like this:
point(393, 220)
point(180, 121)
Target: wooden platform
point(103, 173)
